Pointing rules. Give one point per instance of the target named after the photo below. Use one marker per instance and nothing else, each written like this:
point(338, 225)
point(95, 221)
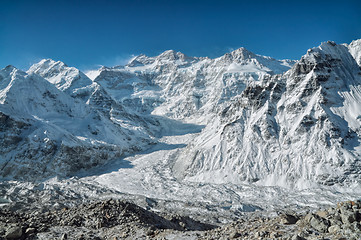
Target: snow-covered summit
point(242, 58)
point(58, 73)
point(240, 54)
point(38, 96)
point(355, 50)
point(167, 57)
point(171, 55)
point(140, 60)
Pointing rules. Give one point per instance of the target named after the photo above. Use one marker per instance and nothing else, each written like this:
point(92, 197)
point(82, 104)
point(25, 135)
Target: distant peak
point(328, 50)
point(241, 50)
point(355, 45)
point(239, 54)
point(168, 52)
point(325, 56)
point(48, 62)
point(140, 60)
point(243, 53)
point(9, 68)
point(172, 55)
point(45, 65)
point(355, 50)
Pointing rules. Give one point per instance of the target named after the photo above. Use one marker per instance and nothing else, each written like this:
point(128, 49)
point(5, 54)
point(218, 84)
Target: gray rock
point(348, 217)
point(275, 235)
point(150, 233)
point(14, 232)
point(296, 237)
point(320, 224)
point(353, 227)
point(322, 214)
point(260, 234)
point(64, 236)
point(30, 230)
point(289, 219)
point(334, 229)
point(234, 235)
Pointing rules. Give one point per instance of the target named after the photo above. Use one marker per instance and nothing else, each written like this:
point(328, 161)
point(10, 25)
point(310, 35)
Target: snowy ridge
point(181, 87)
point(355, 50)
point(58, 73)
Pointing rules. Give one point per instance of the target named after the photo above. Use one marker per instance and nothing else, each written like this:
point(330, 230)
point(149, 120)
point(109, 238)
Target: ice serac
point(293, 130)
point(46, 132)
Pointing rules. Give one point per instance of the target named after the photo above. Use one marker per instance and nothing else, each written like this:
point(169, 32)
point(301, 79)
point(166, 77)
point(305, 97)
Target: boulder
point(348, 216)
point(334, 229)
point(14, 232)
point(320, 224)
point(289, 219)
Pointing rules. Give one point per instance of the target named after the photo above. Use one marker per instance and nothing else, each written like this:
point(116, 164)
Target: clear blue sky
point(86, 34)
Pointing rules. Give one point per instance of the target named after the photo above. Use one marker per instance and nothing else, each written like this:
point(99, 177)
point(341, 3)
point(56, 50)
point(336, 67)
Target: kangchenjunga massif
point(220, 131)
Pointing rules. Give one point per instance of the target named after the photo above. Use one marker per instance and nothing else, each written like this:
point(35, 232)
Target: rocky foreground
point(118, 219)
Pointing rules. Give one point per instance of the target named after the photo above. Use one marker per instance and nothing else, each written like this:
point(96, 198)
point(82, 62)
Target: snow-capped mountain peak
point(355, 50)
point(167, 57)
point(140, 60)
point(242, 54)
point(58, 73)
point(171, 55)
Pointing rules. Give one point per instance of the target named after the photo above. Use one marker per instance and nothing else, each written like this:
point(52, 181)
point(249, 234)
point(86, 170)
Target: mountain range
point(294, 124)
